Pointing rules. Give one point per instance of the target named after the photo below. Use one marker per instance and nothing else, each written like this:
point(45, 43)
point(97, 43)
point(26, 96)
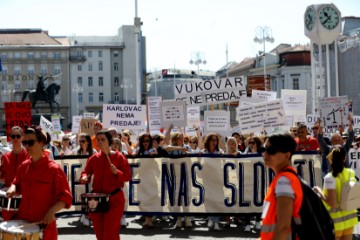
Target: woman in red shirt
point(109, 169)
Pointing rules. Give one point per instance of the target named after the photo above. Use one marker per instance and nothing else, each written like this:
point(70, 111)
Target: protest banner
point(204, 184)
point(217, 121)
point(211, 91)
point(55, 121)
point(154, 113)
point(89, 115)
point(354, 157)
point(47, 126)
point(311, 119)
point(294, 102)
point(75, 127)
point(123, 116)
point(193, 119)
point(334, 111)
point(261, 116)
point(356, 125)
point(17, 114)
point(173, 112)
point(263, 95)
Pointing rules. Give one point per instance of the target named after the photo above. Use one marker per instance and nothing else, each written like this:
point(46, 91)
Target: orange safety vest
point(269, 210)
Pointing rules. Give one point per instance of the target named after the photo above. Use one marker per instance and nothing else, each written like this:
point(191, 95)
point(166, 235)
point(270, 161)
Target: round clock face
point(329, 17)
point(309, 18)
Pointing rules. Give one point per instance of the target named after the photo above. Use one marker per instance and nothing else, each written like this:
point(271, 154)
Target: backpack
point(350, 194)
point(316, 222)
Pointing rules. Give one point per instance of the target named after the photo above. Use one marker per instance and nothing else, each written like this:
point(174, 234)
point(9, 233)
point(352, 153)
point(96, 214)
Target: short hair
point(107, 135)
point(17, 128)
point(158, 137)
point(40, 135)
point(283, 142)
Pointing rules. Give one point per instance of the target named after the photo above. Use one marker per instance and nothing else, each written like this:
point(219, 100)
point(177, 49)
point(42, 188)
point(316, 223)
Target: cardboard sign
point(89, 115)
point(334, 111)
point(87, 126)
point(123, 116)
point(17, 114)
point(217, 121)
point(154, 113)
point(75, 123)
point(263, 95)
point(211, 91)
point(173, 112)
point(261, 116)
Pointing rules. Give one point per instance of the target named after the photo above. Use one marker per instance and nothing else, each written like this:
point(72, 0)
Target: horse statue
point(52, 90)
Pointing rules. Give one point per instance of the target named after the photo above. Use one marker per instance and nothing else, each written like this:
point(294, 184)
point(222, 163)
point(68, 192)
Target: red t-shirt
point(310, 144)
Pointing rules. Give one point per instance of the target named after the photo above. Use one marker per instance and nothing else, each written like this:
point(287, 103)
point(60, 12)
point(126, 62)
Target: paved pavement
point(70, 228)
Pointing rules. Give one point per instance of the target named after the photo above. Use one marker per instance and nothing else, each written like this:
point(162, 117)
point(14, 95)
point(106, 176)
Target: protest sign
point(55, 121)
point(87, 126)
point(211, 91)
point(261, 116)
point(47, 126)
point(193, 119)
point(89, 115)
point(76, 123)
point(217, 121)
point(263, 95)
point(334, 111)
point(123, 116)
point(195, 184)
point(354, 157)
point(173, 112)
point(247, 101)
point(294, 102)
point(154, 113)
point(356, 125)
point(17, 114)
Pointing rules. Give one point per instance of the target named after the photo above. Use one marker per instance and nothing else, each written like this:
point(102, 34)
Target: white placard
point(263, 95)
point(294, 102)
point(334, 111)
point(173, 112)
point(354, 157)
point(46, 125)
point(55, 120)
point(211, 91)
point(261, 116)
point(217, 121)
point(76, 123)
point(154, 113)
point(246, 101)
point(89, 115)
point(123, 116)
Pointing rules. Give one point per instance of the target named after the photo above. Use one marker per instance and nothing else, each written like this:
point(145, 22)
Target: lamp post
point(262, 35)
point(77, 90)
point(197, 58)
point(125, 85)
point(10, 89)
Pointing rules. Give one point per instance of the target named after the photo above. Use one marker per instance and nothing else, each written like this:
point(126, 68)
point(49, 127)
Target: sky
point(175, 30)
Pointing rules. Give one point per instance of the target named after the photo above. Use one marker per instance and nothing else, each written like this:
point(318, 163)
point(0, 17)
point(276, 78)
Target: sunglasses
point(271, 150)
point(13, 136)
point(30, 143)
point(65, 139)
point(82, 141)
point(192, 142)
point(251, 143)
point(146, 140)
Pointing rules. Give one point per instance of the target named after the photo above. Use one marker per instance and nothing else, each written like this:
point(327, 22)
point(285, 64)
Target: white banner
point(334, 111)
point(217, 121)
point(211, 91)
point(263, 95)
point(47, 126)
point(294, 102)
point(75, 126)
point(196, 184)
point(173, 112)
point(121, 116)
point(261, 116)
point(354, 157)
point(89, 115)
point(55, 120)
point(154, 113)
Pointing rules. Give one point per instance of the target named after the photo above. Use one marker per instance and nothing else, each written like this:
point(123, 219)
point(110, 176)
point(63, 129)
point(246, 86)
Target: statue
point(41, 94)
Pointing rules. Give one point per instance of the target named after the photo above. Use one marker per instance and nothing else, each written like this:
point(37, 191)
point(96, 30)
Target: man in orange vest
point(284, 197)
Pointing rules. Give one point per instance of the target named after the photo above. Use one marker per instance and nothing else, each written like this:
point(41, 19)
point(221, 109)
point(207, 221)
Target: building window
point(100, 66)
point(31, 84)
point(296, 84)
point(90, 81)
point(57, 55)
point(116, 54)
point(79, 67)
point(30, 70)
point(4, 56)
point(30, 55)
point(116, 82)
point(79, 81)
point(100, 53)
point(89, 53)
point(57, 70)
point(91, 97)
point(44, 71)
point(17, 55)
point(90, 67)
point(101, 81)
point(43, 55)
point(17, 70)
point(80, 97)
point(17, 85)
point(4, 70)
point(101, 97)
point(79, 53)
point(116, 66)
point(116, 97)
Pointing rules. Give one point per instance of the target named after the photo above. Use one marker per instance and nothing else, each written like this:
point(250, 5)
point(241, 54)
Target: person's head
point(177, 139)
point(211, 142)
point(57, 144)
point(337, 158)
point(193, 142)
point(113, 132)
point(66, 141)
point(186, 139)
point(85, 144)
point(34, 140)
point(158, 140)
point(116, 145)
point(341, 128)
point(293, 131)
point(302, 132)
point(104, 140)
point(278, 150)
point(97, 127)
point(315, 130)
point(238, 137)
point(125, 136)
point(254, 144)
point(231, 145)
point(336, 139)
point(145, 141)
point(345, 137)
point(16, 136)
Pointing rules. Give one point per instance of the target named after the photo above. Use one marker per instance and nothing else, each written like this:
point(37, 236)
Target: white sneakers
point(179, 222)
point(258, 225)
point(188, 223)
point(123, 221)
point(248, 228)
point(210, 223)
point(85, 220)
point(217, 227)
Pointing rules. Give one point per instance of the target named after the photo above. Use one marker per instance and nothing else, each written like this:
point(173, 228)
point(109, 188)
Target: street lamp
point(10, 89)
point(197, 58)
point(125, 85)
point(77, 90)
point(262, 35)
